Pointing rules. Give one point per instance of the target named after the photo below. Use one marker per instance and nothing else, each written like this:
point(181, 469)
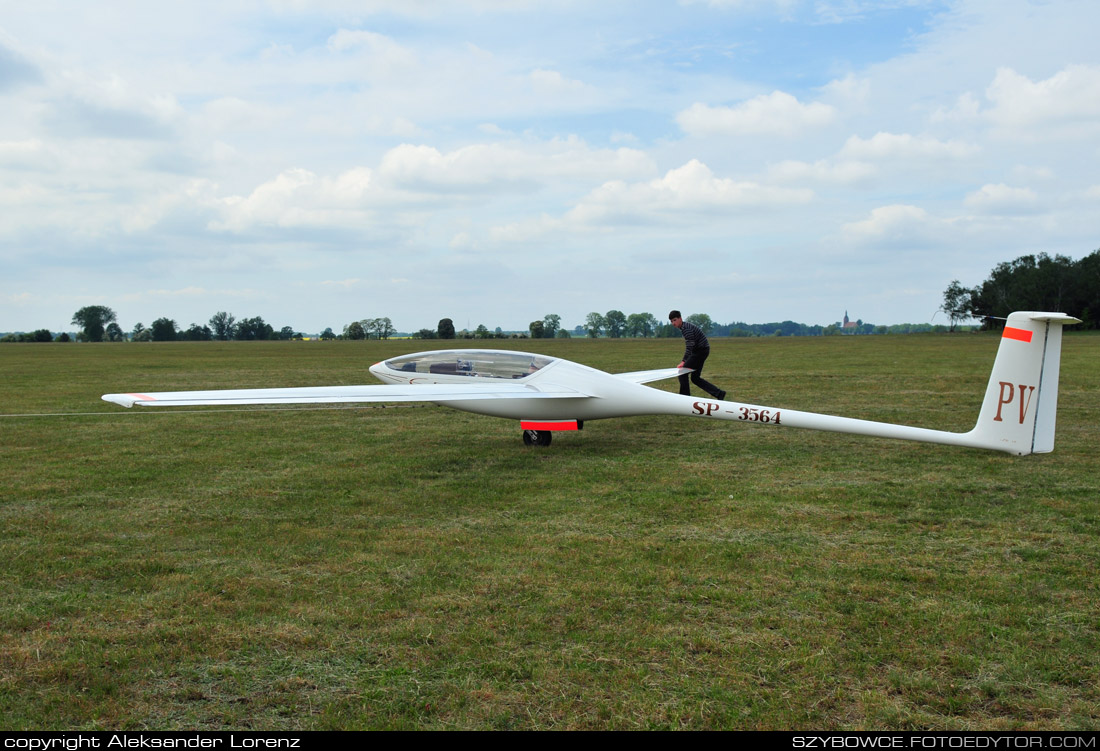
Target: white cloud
point(496, 166)
point(895, 226)
point(777, 113)
point(689, 189)
point(553, 82)
point(1068, 97)
point(1002, 199)
point(299, 198)
point(1067, 104)
point(383, 52)
point(845, 172)
point(886, 146)
point(850, 90)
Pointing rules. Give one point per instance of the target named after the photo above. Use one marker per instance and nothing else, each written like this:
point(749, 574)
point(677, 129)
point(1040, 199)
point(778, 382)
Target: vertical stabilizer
point(1021, 400)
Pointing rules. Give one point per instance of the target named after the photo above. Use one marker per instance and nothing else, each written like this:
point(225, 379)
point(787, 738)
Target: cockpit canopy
point(474, 363)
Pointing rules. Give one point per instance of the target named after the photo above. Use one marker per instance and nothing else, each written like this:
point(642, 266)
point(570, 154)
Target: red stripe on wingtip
point(1020, 335)
point(143, 397)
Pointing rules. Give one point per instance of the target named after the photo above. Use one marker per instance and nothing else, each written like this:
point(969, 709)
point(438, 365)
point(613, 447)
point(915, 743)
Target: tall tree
point(594, 324)
point(641, 324)
point(113, 333)
point(355, 330)
point(164, 330)
point(1032, 282)
point(702, 320)
point(197, 333)
point(93, 320)
point(616, 323)
point(223, 325)
point(446, 328)
point(251, 329)
point(956, 303)
point(536, 328)
point(140, 333)
point(550, 325)
point(381, 328)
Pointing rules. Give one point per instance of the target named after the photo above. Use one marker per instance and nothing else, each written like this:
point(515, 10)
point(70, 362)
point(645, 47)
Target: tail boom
point(1017, 414)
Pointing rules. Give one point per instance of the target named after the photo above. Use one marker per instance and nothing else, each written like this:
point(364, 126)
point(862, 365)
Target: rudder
point(1021, 401)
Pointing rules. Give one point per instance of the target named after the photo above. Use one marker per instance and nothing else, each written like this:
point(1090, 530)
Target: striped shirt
point(694, 339)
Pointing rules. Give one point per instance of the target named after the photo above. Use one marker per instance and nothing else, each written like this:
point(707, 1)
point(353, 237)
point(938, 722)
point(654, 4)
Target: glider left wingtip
point(123, 400)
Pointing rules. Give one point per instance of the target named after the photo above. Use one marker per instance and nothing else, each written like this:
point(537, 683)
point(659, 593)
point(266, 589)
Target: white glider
point(548, 394)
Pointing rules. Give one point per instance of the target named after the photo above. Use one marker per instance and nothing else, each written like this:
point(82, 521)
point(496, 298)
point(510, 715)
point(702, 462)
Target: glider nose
point(380, 371)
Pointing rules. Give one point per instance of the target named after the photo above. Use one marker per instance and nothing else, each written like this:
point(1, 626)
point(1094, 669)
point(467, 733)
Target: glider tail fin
point(1021, 400)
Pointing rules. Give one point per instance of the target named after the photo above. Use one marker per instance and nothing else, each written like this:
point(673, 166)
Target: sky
point(494, 161)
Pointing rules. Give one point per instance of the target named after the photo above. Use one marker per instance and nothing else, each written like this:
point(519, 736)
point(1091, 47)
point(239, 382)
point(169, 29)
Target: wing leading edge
point(428, 392)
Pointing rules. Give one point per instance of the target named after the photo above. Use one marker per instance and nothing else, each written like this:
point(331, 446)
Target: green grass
point(417, 567)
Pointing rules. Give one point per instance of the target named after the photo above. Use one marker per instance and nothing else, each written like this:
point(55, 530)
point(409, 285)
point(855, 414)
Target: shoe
point(721, 395)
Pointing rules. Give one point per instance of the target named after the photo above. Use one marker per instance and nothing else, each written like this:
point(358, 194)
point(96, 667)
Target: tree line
point(1031, 282)
point(1040, 282)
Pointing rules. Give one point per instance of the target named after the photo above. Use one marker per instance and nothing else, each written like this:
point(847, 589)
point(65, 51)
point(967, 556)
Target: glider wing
point(427, 392)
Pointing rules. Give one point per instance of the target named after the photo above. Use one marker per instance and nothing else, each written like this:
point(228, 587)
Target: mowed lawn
point(418, 567)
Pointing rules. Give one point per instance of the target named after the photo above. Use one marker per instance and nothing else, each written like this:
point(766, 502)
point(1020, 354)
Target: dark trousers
point(695, 362)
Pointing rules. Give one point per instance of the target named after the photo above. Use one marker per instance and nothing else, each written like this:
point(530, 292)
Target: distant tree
point(327, 335)
point(563, 334)
point(1086, 298)
point(197, 333)
point(141, 334)
point(113, 333)
point(615, 323)
point(641, 324)
point(224, 326)
point(703, 321)
point(63, 337)
point(286, 333)
point(482, 331)
point(164, 330)
point(379, 328)
point(956, 303)
point(93, 319)
point(355, 331)
point(536, 328)
point(550, 325)
point(446, 328)
point(425, 334)
point(41, 335)
point(1032, 282)
point(254, 329)
point(594, 324)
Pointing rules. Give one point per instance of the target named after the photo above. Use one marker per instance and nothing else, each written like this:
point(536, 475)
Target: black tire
point(537, 437)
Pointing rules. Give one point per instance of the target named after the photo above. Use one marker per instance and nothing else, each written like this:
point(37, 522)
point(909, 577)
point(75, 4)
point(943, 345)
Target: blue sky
point(492, 162)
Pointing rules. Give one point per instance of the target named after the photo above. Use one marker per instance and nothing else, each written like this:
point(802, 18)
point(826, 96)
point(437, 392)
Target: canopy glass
point(474, 363)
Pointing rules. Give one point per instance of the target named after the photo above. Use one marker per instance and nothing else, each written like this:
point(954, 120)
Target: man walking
point(696, 351)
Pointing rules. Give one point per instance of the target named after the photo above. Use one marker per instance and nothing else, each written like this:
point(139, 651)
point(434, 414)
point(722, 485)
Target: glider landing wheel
point(537, 437)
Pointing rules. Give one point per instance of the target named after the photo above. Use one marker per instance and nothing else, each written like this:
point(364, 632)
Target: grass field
point(417, 567)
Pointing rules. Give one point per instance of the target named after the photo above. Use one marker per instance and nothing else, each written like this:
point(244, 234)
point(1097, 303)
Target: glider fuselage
point(599, 395)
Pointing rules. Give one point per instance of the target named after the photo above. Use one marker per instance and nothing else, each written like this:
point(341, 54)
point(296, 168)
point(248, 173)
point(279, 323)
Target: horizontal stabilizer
point(645, 376)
